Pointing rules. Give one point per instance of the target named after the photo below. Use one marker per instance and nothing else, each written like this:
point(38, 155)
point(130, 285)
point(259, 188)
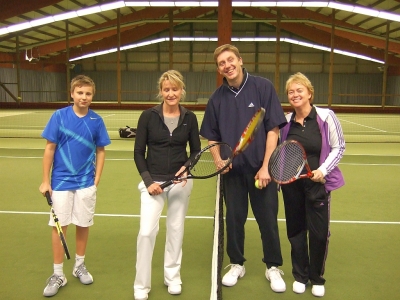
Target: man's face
point(230, 66)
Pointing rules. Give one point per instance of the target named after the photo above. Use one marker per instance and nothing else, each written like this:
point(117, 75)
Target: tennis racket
point(210, 161)
point(58, 226)
point(245, 138)
point(249, 132)
point(287, 163)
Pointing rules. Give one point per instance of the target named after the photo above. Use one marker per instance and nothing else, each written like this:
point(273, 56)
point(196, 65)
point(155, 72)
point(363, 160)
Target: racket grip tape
point(48, 197)
point(165, 184)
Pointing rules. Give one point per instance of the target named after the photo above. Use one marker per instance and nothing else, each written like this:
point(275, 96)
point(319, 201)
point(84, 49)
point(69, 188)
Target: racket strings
point(287, 162)
point(208, 162)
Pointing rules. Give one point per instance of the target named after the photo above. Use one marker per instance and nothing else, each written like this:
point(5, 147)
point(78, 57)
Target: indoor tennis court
point(350, 51)
point(365, 220)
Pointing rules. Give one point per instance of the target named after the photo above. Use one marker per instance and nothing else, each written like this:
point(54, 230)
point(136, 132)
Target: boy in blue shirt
point(73, 161)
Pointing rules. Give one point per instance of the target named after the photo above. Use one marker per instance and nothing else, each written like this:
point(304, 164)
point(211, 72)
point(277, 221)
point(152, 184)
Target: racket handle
point(49, 201)
point(311, 175)
point(165, 184)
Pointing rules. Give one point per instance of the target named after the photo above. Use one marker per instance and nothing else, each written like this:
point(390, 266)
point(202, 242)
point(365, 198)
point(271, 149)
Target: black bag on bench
point(127, 132)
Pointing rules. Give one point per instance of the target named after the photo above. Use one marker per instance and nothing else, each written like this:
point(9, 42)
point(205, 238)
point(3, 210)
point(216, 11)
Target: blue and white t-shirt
point(75, 156)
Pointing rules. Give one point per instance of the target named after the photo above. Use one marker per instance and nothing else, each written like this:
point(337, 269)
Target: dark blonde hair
point(82, 80)
point(176, 78)
point(223, 48)
point(300, 78)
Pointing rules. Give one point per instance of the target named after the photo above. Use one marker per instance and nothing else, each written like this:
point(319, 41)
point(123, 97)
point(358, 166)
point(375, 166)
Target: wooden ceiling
point(91, 33)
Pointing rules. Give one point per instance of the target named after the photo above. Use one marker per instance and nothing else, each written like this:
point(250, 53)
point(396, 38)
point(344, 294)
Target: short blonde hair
point(82, 80)
point(223, 48)
point(176, 78)
point(300, 78)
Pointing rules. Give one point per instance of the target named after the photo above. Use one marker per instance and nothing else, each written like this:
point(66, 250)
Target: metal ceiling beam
point(367, 40)
point(320, 36)
point(145, 31)
point(14, 8)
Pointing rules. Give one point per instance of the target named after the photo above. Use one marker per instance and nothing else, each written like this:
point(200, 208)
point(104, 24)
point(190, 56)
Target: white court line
point(106, 116)
point(199, 217)
point(358, 124)
point(356, 164)
point(9, 114)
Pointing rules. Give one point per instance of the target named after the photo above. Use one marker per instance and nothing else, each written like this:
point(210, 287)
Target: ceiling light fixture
point(118, 4)
point(233, 39)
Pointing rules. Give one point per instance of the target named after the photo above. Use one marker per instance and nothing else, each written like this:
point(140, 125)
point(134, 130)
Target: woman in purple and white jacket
point(307, 201)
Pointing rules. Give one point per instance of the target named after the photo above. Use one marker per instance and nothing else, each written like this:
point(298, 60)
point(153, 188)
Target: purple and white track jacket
point(333, 146)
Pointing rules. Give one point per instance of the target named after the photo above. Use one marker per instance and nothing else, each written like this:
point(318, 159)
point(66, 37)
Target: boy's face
point(82, 96)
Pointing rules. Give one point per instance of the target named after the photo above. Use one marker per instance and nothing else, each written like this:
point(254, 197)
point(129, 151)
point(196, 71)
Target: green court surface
point(363, 251)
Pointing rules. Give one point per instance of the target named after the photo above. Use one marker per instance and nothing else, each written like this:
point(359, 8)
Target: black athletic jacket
point(166, 153)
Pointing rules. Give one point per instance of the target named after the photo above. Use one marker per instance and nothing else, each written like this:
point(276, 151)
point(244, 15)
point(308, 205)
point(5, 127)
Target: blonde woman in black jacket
point(162, 135)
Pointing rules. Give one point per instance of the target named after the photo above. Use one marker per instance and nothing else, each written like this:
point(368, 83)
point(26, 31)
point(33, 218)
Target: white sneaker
point(175, 289)
point(236, 272)
point(140, 295)
point(298, 287)
point(83, 274)
point(273, 274)
point(53, 284)
point(318, 290)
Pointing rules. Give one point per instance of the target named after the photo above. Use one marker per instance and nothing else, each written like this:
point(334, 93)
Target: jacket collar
point(158, 109)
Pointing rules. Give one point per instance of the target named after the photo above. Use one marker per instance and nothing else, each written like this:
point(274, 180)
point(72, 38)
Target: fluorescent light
point(289, 40)
point(88, 11)
point(389, 16)
point(42, 21)
point(263, 39)
point(233, 39)
point(159, 40)
point(340, 6)
point(137, 3)
point(185, 39)
point(162, 3)
point(365, 11)
point(187, 3)
point(18, 27)
point(263, 4)
point(323, 48)
point(209, 3)
point(4, 30)
point(315, 4)
point(118, 4)
point(288, 4)
point(65, 16)
point(95, 54)
point(241, 3)
point(113, 5)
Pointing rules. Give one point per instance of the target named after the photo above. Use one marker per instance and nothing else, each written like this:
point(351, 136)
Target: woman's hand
point(183, 168)
point(154, 189)
point(317, 176)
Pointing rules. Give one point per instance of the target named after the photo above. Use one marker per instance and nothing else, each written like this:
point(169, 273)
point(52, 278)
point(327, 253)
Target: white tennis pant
point(177, 198)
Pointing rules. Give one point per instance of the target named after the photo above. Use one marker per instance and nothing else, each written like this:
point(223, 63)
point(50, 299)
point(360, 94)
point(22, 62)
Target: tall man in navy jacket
point(228, 111)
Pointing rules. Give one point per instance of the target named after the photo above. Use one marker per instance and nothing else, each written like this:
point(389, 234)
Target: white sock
point(58, 269)
point(79, 260)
